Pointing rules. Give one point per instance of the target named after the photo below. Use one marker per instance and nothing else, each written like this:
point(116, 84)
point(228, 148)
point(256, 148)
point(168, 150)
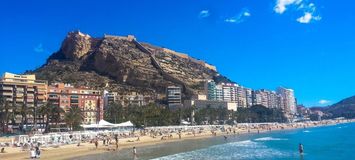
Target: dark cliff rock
point(116, 63)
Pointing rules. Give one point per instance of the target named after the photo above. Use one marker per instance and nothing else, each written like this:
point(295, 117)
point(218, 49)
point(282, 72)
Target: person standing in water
point(300, 148)
point(134, 153)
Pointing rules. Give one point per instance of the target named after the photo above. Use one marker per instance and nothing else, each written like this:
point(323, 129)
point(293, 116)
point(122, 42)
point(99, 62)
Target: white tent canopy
point(126, 124)
point(105, 124)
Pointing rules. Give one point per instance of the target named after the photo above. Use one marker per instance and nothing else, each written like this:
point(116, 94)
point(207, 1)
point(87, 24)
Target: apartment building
point(23, 90)
point(289, 100)
point(88, 100)
point(173, 95)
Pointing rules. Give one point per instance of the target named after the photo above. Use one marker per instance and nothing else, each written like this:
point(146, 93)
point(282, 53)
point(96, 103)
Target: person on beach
point(116, 138)
point(38, 152)
point(32, 154)
point(96, 143)
point(300, 148)
point(134, 153)
point(2, 150)
point(225, 138)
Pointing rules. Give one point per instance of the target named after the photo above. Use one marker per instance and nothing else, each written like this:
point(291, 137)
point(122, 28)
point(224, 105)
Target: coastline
point(72, 151)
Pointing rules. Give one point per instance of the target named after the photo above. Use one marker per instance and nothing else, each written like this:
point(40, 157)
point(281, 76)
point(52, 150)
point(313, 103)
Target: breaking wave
point(270, 139)
point(236, 150)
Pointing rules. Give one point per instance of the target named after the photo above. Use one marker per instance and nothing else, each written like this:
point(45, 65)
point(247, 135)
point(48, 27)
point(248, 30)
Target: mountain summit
point(125, 65)
point(344, 108)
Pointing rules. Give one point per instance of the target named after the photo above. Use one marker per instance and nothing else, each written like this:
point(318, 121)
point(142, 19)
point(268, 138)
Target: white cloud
point(39, 48)
point(230, 20)
point(246, 13)
point(308, 10)
point(239, 18)
point(308, 17)
point(204, 14)
point(281, 5)
point(323, 101)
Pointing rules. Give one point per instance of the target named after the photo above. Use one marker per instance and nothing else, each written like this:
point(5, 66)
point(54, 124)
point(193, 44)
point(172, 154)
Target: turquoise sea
point(323, 143)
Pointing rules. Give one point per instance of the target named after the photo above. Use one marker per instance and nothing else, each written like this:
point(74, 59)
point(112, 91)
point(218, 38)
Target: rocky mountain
point(124, 65)
point(344, 108)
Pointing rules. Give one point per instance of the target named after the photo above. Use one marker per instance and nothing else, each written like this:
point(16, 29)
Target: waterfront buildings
point(229, 92)
point(210, 103)
point(214, 91)
point(23, 90)
point(221, 92)
point(88, 100)
point(289, 100)
point(174, 97)
point(267, 98)
point(109, 98)
point(283, 98)
point(131, 98)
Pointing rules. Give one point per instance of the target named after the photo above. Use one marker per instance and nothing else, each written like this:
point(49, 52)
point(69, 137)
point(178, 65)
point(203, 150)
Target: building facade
point(289, 100)
point(198, 104)
point(89, 101)
point(174, 97)
point(24, 90)
point(133, 98)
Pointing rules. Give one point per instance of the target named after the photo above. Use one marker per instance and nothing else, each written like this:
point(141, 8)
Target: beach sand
point(71, 151)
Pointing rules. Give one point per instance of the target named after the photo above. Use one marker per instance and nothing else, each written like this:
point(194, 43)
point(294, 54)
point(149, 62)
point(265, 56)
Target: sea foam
point(235, 150)
point(270, 139)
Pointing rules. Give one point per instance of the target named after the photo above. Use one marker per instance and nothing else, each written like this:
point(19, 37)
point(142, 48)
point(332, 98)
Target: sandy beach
point(72, 150)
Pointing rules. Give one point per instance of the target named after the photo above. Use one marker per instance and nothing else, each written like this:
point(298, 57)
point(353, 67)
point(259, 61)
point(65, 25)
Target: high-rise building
point(249, 96)
point(214, 91)
point(246, 97)
point(109, 98)
point(242, 97)
point(229, 92)
point(272, 100)
point(173, 95)
point(23, 90)
point(288, 99)
point(221, 92)
point(88, 100)
point(261, 97)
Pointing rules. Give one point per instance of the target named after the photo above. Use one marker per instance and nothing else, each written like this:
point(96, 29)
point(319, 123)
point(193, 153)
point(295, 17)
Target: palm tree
point(73, 118)
point(46, 111)
point(4, 113)
point(114, 113)
point(24, 111)
point(56, 114)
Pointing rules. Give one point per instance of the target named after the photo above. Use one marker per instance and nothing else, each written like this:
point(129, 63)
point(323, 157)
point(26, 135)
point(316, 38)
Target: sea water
point(323, 143)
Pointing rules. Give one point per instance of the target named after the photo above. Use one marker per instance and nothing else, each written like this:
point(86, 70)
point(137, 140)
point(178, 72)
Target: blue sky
point(307, 45)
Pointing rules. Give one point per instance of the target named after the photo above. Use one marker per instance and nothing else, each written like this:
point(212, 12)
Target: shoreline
point(73, 151)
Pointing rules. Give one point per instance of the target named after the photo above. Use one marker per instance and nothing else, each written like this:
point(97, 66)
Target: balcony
point(19, 100)
point(7, 93)
point(30, 90)
point(6, 88)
